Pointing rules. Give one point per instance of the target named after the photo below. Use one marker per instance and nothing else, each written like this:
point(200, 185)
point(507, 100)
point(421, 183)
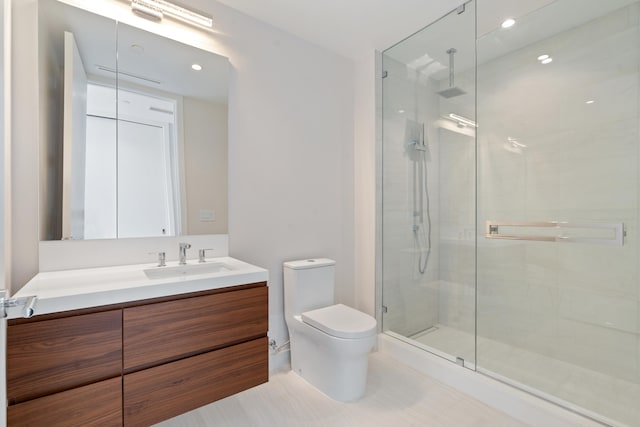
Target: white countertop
point(91, 287)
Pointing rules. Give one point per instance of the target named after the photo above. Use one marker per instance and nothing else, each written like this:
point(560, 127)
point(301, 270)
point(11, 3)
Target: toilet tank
point(308, 284)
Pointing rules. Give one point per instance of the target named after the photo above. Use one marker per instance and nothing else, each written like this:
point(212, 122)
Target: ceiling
point(353, 28)
point(350, 28)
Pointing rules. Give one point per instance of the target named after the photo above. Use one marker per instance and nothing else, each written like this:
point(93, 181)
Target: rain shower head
point(452, 90)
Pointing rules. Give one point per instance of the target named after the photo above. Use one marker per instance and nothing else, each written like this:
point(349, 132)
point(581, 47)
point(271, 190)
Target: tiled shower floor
point(613, 398)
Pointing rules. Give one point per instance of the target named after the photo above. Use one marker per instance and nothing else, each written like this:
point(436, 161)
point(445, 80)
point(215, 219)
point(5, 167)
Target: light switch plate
point(207, 215)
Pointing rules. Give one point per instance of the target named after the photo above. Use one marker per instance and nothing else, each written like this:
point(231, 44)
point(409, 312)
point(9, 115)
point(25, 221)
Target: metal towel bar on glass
point(595, 233)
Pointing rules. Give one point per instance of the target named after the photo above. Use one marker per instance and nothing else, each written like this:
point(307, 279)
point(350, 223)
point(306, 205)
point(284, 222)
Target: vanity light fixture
point(146, 10)
point(508, 23)
point(156, 9)
point(196, 67)
point(463, 121)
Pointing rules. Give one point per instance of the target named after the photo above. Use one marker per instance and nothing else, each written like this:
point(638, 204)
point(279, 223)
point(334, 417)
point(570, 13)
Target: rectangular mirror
point(133, 131)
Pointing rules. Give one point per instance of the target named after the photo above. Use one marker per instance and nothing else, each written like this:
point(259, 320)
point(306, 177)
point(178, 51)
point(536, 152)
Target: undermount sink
point(186, 270)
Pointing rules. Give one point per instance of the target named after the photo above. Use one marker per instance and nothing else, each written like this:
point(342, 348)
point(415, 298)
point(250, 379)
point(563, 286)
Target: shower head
point(452, 90)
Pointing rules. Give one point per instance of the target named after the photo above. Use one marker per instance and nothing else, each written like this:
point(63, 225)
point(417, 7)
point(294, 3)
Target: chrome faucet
point(202, 253)
point(182, 260)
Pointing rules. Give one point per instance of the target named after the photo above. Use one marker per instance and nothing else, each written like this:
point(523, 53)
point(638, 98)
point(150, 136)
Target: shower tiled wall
point(411, 298)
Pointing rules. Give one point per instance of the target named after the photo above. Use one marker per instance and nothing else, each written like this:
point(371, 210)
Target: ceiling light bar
point(145, 10)
point(173, 10)
point(463, 120)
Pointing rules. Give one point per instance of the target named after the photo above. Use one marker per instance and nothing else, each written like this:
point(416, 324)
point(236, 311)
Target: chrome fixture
point(155, 10)
point(418, 152)
point(202, 253)
point(452, 90)
point(594, 233)
point(182, 254)
point(29, 304)
point(162, 258)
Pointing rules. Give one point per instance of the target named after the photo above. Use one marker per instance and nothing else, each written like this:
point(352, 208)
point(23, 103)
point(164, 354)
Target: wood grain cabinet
point(97, 404)
point(171, 330)
point(57, 367)
point(138, 363)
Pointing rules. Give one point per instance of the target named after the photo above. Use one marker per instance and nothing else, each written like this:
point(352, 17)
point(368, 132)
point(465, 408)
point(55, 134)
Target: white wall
point(24, 148)
point(290, 157)
point(205, 157)
point(365, 111)
point(5, 128)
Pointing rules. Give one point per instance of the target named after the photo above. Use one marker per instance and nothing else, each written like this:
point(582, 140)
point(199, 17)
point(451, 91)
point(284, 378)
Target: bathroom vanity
point(141, 352)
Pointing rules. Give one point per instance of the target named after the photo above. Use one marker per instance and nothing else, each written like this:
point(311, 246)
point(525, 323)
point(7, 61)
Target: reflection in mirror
point(141, 141)
point(65, 34)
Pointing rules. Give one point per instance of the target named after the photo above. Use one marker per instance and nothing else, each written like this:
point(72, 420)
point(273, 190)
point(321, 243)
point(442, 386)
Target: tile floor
point(397, 396)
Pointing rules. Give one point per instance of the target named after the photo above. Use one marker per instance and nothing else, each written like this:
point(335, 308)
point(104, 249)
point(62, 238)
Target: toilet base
point(336, 366)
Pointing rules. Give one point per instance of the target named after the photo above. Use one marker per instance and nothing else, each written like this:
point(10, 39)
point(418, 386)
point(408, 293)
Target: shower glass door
point(428, 188)
point(558, 202)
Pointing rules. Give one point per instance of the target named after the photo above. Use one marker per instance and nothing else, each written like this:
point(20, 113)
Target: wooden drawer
point(166, 331)
point(165, 391)
point(50, 356)
point(98, 404)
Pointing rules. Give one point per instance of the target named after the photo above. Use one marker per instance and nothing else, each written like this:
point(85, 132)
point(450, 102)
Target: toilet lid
point(341, 321)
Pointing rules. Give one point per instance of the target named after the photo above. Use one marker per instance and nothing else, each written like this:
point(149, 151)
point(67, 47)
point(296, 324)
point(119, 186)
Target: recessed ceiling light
point(591, 101)
point(196, 67)
point(542, 57)
point(546, 61)
point(508, 23)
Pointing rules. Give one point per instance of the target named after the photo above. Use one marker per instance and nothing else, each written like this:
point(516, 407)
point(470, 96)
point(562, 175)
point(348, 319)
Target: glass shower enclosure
point(510, 199)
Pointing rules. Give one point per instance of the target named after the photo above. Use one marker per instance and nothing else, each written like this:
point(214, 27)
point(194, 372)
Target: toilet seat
point(341, 321)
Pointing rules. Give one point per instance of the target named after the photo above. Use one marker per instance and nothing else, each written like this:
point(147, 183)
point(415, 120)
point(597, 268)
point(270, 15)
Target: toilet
point(330, 343)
